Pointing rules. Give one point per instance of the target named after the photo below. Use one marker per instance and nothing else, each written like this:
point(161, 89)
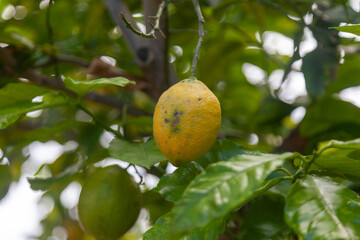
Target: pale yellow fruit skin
point(187, 121)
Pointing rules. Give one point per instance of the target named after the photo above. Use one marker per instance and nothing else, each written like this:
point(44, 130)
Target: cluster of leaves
point(230, 192)
point(299, 198)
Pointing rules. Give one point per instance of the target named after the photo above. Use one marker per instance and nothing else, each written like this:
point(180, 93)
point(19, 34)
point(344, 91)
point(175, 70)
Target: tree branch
point(155, 27)
point(51, 37)
point(66, 59)
point(201, 36)
point(11, 68)
point(150, 54)
point(115, 8)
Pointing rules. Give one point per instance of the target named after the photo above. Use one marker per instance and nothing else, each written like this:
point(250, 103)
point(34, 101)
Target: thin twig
point(51, 37)
point(155, 27)
point(99, 121)
point(284, 170)
point(64, 58)
point(185, 31)
point(201, 36)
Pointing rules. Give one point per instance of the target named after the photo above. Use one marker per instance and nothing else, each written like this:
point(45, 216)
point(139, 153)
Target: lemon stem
point(201, 36)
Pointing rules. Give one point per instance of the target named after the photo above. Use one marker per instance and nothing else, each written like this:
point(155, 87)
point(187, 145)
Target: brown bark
point(150, 54)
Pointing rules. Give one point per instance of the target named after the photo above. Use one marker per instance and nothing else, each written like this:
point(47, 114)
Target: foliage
point(67, 70)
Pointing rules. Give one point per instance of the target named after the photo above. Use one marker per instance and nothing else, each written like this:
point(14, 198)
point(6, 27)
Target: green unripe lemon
point(109, 203)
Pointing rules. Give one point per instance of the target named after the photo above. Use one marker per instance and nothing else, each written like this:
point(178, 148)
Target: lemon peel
point(187, 121)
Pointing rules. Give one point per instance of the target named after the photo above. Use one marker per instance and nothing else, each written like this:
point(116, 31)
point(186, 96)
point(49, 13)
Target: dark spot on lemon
point(176, 121)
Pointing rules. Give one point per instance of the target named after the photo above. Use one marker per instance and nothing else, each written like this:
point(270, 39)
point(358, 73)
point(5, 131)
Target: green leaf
point(263, 219)
point(83, 87)
point(346, 75)
point(40, 183)
point(317, 66)
point(270, 111)
point(327, 113)
point(344, 161)
point(221, 151)
point(352, 144)
point(144, 155)
point(223, 187)
point(155, 204)
point(211, 231)
point(318, 208)
point(171, 186)
point(5, 180)
point(343, 157)
point(16, 99)
point(354, 29)
point(160, 231)
point(43, 134)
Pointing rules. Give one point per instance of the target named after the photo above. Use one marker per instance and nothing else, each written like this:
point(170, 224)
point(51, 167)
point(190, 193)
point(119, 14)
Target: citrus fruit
point(109, 203)
point(187, 121)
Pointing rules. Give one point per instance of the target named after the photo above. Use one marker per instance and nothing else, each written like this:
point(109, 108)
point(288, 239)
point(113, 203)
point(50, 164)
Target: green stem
point(297, 155)
point(284, 170)
point(298, 174)
point(99, 121)
point(318, 153)
point(271, 183)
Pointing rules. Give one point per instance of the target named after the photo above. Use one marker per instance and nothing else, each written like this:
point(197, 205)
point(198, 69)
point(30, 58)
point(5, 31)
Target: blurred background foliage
point(278, 70)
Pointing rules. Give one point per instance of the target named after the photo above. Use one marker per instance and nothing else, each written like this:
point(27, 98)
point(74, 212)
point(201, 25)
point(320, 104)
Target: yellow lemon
point(109, 203)
point(187, 121)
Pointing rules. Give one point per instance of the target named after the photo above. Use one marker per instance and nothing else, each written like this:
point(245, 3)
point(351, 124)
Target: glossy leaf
point(352, 144)
point(223, 187)
point(319, 208)
point(171, 186)
point(264, 219)
point(222, 150)
point(340, 157)
point(354, 29)
point(5, 180)
point(144, 155)
point(16, 99)
point(160, 231)
point(82, 87)
point(344, 161)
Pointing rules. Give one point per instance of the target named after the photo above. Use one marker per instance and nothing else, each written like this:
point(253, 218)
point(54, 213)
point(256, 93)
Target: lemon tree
point(187, 120)
point(279, 159)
